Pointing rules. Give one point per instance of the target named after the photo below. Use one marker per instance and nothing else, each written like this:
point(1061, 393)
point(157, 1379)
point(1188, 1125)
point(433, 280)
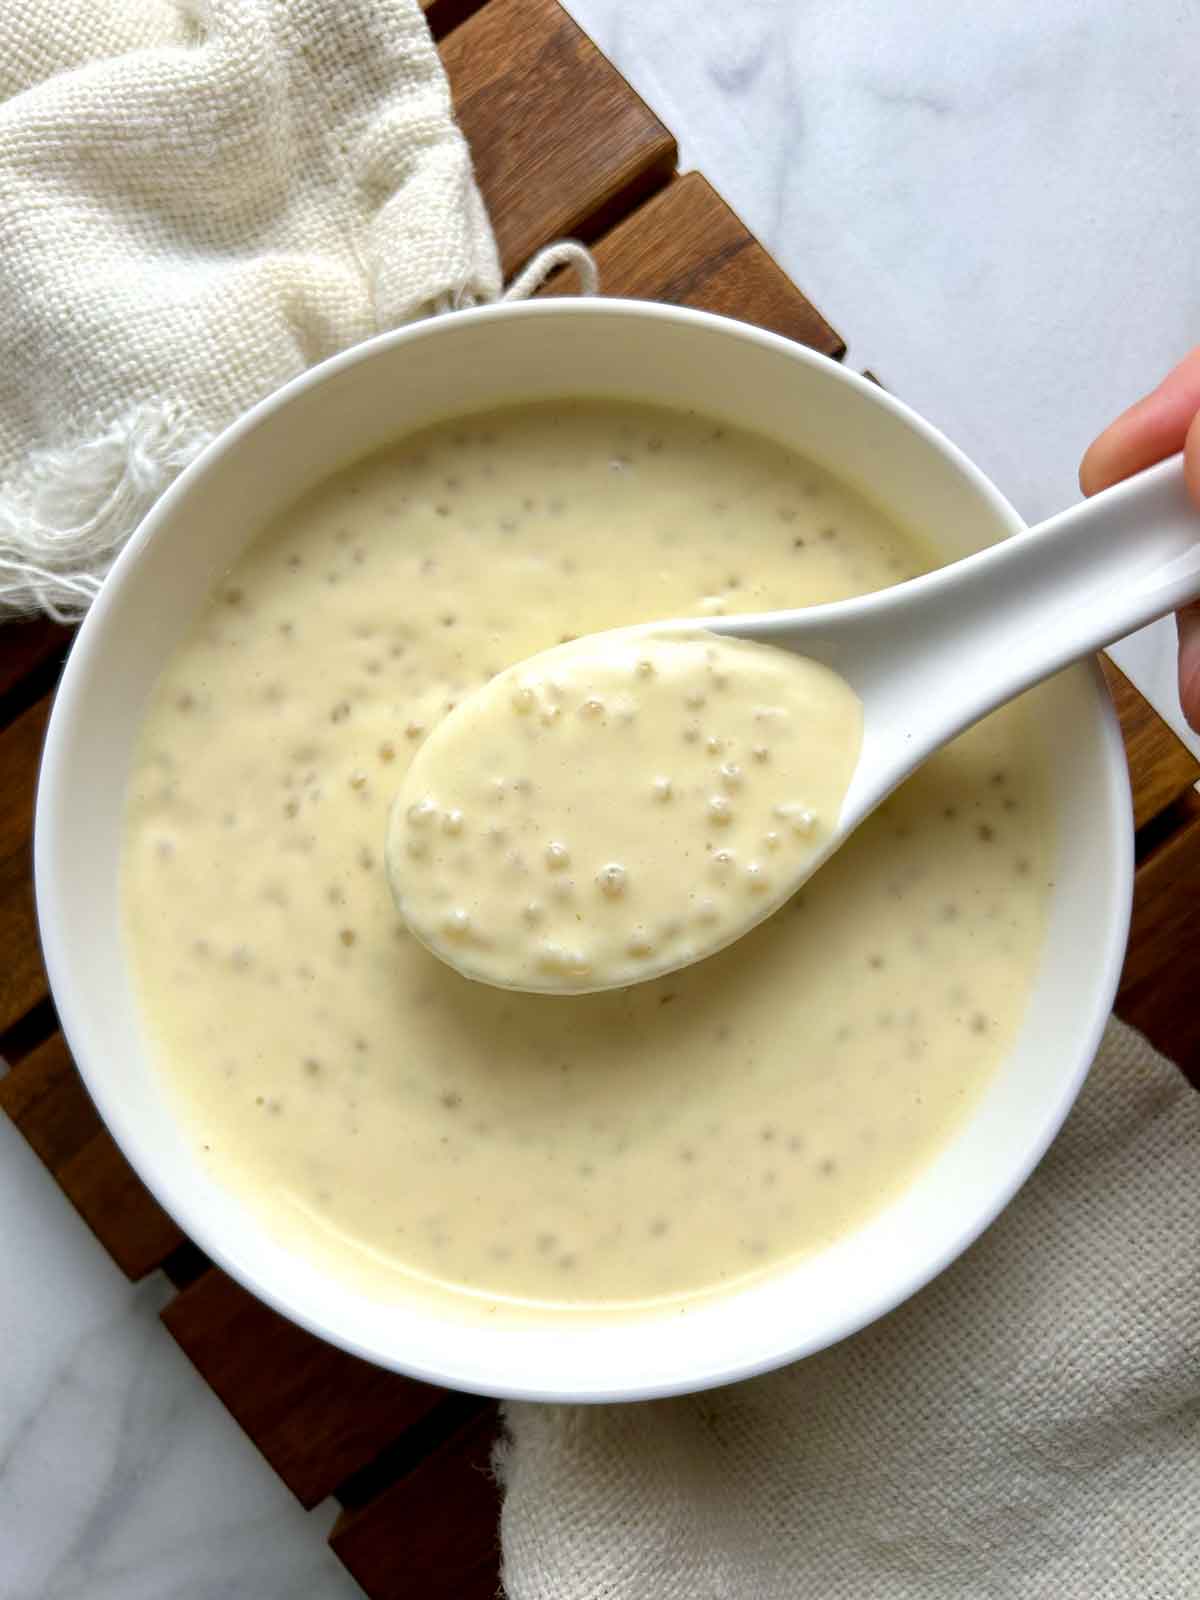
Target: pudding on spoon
point(620, 806)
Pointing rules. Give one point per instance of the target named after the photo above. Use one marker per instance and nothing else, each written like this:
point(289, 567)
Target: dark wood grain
point(316, 1413)
point(1158, 992)
point(45, 1097)
point(561, 143)
point(442, 15)
point(433, 1534)
point(22, 976)
point(687, 247)
point(1161, 768)
point(26, 647)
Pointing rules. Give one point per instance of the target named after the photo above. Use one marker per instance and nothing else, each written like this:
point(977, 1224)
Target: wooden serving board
point(562, 145)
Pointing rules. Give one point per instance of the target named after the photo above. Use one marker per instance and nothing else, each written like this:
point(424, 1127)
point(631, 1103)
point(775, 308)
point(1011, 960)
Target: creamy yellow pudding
point(414, 1128)
point(620, 806)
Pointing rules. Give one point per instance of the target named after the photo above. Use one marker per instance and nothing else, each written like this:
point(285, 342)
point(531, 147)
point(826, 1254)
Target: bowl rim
point(55, 931)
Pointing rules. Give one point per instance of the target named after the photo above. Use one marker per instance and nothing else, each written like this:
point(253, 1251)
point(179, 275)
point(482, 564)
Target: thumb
point(1189, 616)
point(1188, 622)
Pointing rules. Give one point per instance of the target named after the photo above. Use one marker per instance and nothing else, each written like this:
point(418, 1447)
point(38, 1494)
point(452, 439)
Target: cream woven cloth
point(198, 200)
point(1028, 1426)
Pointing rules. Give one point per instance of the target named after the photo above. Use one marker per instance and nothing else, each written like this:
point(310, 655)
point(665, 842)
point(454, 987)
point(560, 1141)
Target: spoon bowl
point(620, 806)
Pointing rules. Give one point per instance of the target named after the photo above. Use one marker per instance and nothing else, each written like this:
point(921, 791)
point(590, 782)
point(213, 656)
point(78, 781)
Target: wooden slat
point(22, 977)
point(45, 1097)
point(27, 646)
point(1161, 768)
point(687, 247)
point(561, 143)
point(433, 1535)
point(1158, 985)
point(316, 1413)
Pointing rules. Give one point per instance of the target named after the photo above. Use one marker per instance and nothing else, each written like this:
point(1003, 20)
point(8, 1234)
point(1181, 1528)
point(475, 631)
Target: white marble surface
point(121, 1476)
point(996, 207)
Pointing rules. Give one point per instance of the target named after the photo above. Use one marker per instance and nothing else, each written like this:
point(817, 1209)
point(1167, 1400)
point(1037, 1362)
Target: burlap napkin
point(198, 200)
point(1028, 1426)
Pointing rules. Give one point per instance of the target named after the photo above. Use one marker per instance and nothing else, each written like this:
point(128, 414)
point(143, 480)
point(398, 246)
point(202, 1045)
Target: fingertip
point(1191, 458)
point(1091, 479)
point(1151, 430)
point(1125, 446)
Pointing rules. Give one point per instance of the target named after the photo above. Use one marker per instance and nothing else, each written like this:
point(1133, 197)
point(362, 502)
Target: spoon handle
point(1091, 574)
point(934, 655)
point(992, 626)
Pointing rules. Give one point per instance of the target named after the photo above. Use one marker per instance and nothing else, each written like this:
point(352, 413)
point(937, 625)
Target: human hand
point(1167, 420)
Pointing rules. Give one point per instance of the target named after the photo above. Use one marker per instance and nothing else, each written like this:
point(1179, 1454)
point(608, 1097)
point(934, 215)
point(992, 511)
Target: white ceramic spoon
point(930, 657)
point(926, 659)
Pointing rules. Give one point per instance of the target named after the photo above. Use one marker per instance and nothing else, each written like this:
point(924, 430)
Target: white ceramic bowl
point(351, 405)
